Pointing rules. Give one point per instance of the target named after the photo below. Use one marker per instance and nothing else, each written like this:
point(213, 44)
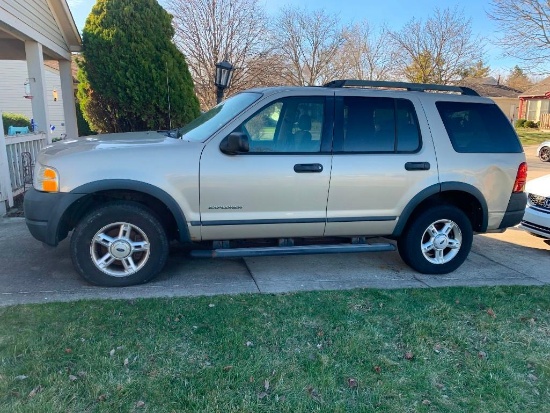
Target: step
point(292, 250)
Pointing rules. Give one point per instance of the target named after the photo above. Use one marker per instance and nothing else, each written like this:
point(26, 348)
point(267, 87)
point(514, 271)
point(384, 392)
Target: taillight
point(521, 178)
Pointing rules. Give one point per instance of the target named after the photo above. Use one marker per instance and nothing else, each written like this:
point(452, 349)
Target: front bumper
point(44, 213)
point(536, 221)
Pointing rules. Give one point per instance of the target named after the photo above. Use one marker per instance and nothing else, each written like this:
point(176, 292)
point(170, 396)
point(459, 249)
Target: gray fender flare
point(441, 188)
point(128, 184)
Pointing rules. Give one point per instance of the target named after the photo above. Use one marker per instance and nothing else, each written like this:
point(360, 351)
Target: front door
point(280, 187)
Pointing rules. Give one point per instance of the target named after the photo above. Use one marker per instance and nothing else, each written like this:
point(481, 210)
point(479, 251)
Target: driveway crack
point(251, 275)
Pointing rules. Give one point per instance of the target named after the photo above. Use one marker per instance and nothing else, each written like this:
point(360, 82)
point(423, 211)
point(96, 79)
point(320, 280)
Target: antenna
point(168, 92)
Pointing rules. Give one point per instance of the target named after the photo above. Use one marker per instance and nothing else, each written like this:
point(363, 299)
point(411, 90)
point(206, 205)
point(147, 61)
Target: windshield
point(206, 124)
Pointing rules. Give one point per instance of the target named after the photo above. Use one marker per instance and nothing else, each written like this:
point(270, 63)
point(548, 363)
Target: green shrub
point(530, 124)
point(14, 119)
point(520, 123)
point(82, 124)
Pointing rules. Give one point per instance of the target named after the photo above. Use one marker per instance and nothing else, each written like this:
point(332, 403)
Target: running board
point(296, 250)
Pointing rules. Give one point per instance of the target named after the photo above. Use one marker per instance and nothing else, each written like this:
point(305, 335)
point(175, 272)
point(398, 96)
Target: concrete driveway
point(30, 273)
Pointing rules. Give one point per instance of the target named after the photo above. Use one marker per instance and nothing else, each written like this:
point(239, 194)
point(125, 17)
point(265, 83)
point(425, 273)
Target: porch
point(544, 121)
point(35, 31)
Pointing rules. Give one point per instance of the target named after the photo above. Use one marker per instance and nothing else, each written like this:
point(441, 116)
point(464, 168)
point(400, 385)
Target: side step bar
point(297, 250)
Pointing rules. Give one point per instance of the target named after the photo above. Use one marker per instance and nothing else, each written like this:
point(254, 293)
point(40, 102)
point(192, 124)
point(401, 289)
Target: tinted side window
point(408, 131)
point(380, 125)
point(478, 128)
point(290, 125)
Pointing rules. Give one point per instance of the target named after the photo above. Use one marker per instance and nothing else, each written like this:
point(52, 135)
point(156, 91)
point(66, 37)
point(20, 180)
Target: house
point(32, 32)
point(505, 97)
point(14, 97)
point(534, 103)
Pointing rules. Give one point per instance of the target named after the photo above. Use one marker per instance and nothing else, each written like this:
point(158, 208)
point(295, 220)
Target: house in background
point(32, 32)
point(505, 97)
point(534, 103)
point(13, 98)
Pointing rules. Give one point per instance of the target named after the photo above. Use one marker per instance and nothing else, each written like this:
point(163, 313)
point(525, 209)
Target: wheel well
point(468, 203)
point(77, 211)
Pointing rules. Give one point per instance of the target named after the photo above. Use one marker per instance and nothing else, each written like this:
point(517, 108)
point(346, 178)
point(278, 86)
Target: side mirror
point(234, 144)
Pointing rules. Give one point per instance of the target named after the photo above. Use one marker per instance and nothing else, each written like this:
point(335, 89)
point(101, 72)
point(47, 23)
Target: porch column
point(67, 94)
point(6, 193)
point(521, 115)
point(37, 80)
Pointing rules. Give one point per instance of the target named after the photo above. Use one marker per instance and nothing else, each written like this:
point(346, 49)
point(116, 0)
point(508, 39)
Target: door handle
point(308, 168)
point(417, 166)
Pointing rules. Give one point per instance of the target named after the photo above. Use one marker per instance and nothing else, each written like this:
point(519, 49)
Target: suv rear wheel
point(119, 244)
point(437, 241)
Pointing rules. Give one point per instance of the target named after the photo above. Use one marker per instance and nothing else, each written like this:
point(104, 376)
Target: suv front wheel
point(437, 241)
point(119, 244)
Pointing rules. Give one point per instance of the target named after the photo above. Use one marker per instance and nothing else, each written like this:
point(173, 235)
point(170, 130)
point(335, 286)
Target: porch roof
point(48, 22)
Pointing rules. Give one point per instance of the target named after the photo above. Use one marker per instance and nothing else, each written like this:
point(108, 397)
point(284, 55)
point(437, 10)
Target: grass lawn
point(436, 350)
point(528, 136)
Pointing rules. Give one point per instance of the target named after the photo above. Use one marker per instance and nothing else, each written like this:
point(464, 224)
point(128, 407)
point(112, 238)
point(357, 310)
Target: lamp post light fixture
point(224, 73)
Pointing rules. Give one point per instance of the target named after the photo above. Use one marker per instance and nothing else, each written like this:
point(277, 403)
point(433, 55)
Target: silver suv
point(288, 170)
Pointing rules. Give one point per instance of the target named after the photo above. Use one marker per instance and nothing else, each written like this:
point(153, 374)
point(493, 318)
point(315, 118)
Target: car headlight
point(46, 179)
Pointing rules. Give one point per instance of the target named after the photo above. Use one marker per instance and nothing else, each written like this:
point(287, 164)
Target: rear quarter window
point(478, 128)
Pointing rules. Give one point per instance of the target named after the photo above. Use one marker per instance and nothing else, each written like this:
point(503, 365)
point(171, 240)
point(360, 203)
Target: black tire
point(544, 154)
point(126, 238)
point(450, 250)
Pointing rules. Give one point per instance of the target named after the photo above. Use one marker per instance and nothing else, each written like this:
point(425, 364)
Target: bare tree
point(438, 50)
point(307, 42)
point(525, 28)
point(208, 31)
point(365, 54)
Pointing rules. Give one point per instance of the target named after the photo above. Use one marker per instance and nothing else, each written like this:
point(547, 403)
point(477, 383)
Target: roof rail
point(418, 87)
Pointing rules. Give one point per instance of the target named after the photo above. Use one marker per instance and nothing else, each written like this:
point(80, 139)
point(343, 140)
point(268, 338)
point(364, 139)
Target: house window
point(536, 107)
point(532, 110)
point(545, 106)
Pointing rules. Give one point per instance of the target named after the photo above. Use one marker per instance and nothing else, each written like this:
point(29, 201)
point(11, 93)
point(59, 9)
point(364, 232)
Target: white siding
point(36, 15)
point(13, 74)
point(55, 109)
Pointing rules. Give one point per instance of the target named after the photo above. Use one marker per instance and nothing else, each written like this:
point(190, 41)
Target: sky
point(393, 13)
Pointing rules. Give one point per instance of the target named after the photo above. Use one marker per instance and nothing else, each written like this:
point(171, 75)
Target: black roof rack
point(418, 87)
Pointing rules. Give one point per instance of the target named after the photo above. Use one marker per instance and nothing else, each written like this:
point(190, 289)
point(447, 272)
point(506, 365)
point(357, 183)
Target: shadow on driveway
point(31, 273)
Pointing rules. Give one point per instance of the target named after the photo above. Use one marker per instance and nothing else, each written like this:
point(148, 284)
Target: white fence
point(19, 168)
point(544, 121)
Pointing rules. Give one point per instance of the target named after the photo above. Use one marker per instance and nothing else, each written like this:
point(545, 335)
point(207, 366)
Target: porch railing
point(19, 165)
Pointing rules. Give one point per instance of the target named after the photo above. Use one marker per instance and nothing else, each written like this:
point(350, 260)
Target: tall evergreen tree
point(518, 79)
point(132, 77)
point(478, 70)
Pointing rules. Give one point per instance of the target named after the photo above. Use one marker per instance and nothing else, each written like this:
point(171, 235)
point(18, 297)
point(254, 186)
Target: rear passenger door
point(383, 156)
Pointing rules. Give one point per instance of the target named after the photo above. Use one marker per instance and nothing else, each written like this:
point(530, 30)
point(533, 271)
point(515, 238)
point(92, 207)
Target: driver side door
point(279, 188)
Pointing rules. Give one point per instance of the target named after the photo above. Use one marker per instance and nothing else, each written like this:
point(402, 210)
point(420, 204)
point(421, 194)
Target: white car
point(537, 213)
point(543, 151)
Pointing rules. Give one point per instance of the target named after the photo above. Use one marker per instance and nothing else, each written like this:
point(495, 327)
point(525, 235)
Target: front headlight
point(46, 179)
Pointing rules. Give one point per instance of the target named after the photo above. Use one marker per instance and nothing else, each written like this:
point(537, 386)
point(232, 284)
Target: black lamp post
point(224, 72)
